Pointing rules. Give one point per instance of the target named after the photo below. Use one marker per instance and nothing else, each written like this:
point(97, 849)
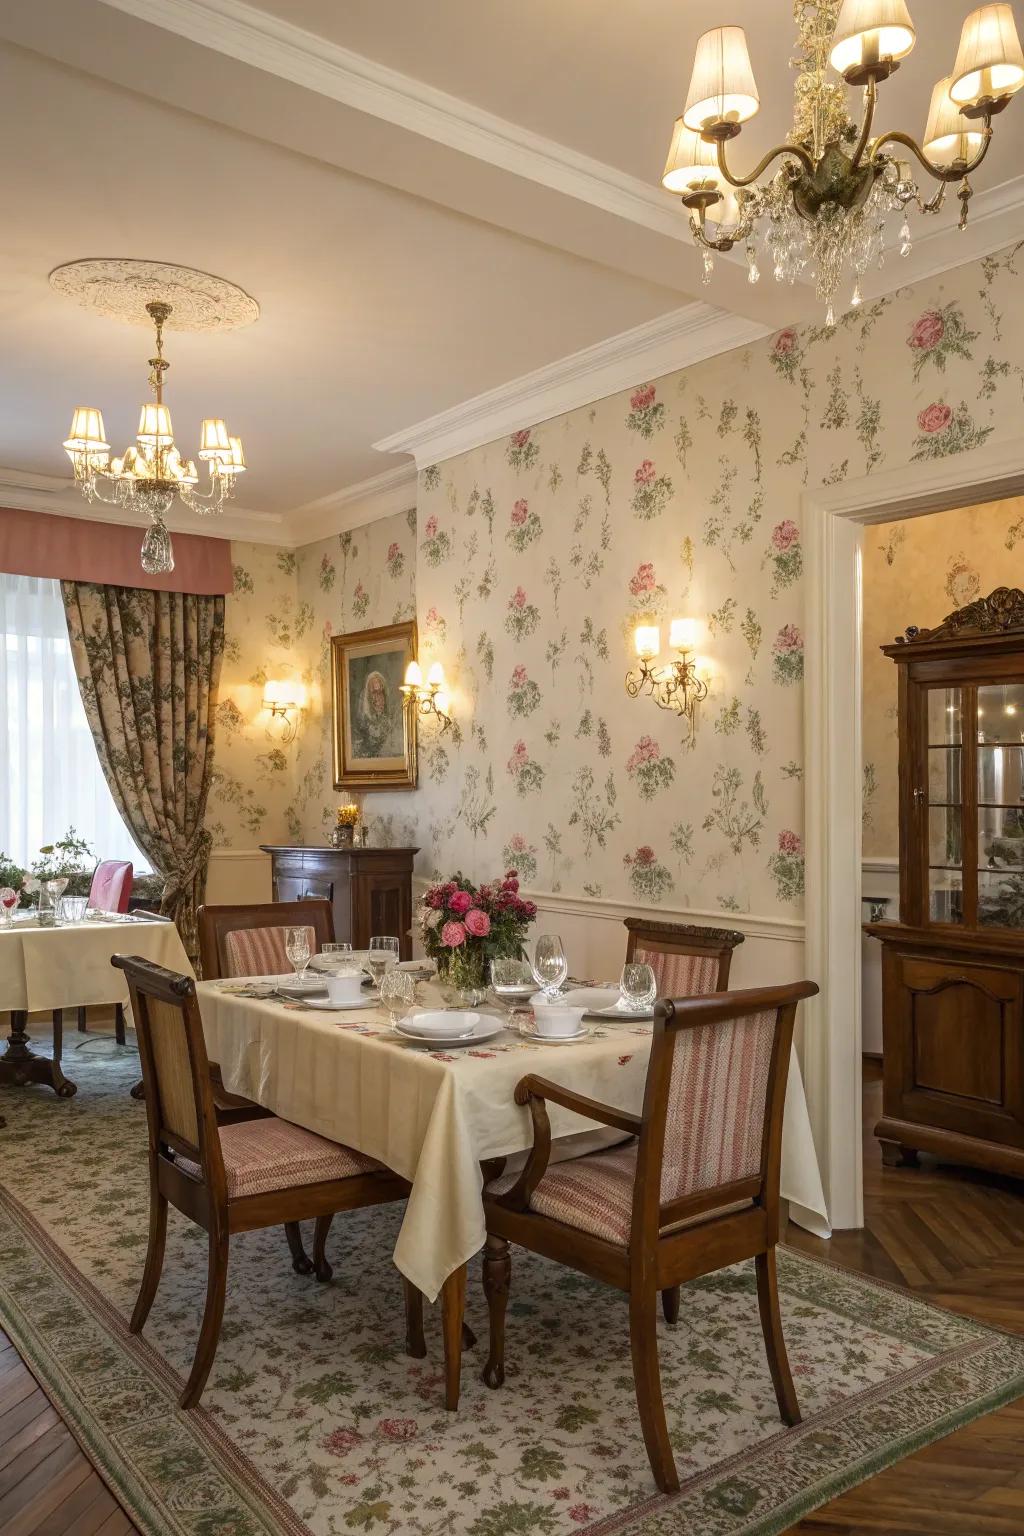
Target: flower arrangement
point(347, 815)
point(346, 819)
point(463, 926)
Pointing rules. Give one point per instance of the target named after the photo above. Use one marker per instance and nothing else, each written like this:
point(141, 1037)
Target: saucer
point(485, 1029)
point(531, 1034)
point(326, 1006)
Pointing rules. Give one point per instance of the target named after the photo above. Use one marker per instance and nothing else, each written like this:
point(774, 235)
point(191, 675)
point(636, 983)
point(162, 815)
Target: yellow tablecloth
point(69, 967)
point(430, 1115)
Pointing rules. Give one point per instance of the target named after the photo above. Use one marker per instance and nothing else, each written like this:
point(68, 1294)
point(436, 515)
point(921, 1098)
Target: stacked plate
point(449, 1026)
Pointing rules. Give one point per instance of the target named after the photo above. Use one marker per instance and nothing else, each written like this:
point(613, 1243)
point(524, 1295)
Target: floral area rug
point(315, 1421)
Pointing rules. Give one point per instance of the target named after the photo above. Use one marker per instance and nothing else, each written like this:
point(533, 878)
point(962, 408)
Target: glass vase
point(46, 917)
point(463, 977)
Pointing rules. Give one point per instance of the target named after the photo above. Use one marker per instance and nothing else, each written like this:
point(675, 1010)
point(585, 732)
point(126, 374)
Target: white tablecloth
point(433, 1116)
point(69, 967)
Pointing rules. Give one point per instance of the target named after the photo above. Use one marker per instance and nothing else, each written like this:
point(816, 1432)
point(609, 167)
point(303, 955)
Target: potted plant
point(464, 926)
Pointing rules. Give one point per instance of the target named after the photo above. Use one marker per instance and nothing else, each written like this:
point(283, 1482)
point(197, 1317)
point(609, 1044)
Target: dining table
point(437, 1115)
point(50, 967)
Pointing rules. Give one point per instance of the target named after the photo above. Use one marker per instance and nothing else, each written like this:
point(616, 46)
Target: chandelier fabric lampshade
point(87, 433)
point(870, 30)
point(989, 63)
point(949, 136)
point(154, 425)
point(236, 464)
point(692, 162)
point(722, 87)
point(213, 441)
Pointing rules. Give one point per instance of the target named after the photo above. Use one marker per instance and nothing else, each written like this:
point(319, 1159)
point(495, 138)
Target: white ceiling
point(414, 238)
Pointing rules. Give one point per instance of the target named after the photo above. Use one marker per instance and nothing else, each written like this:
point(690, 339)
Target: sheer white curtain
point(50, 776)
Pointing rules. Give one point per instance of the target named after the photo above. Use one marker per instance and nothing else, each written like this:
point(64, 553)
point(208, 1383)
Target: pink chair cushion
point(111, 886)
point(259, 951)
point(261, 1156)
point(595, 1194)
point(680, 975)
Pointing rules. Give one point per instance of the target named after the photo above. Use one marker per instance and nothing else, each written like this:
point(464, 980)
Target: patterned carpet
point(316, 1421)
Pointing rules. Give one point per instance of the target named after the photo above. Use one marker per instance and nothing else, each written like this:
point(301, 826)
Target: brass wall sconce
point(285, 701)
point(678, 684)
point(430, 697)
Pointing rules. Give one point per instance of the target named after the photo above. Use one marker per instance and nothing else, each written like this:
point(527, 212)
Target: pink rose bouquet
point(463, 926)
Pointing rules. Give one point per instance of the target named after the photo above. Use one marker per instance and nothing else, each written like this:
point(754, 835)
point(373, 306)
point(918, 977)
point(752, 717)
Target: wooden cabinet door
point(381, 904)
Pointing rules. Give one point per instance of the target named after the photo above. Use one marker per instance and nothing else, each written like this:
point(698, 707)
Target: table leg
point(453, 1308)
point(20, 1065)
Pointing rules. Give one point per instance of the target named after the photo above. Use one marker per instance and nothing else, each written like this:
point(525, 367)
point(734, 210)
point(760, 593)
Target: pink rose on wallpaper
point(452, 935)
point(478, 923)
point(433, 617)
point(520, 439)
point(644, 855)
point(785, 342)
point(430, 527)
point(785, 534)
point(327, 628)
point(519, 756)
point(645, 474)
point(642, 580)
point(645, 751)
point(935, 418)
point(789, 842)
point(520, 512)
point(393, 551)
point(640, 399)
point(360, 590)
point(518, 676)
point(460, 902)
point(788, 638)
point(927, 332)
point(518, 598)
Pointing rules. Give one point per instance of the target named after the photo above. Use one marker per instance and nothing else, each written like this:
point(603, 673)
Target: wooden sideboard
point(370, 889)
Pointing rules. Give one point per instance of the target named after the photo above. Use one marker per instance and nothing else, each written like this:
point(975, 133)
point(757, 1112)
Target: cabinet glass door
point(944, 805)
point(1001, 805)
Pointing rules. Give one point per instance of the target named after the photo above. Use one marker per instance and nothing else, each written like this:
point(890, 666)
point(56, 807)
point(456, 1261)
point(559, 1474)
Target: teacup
point(556, 1021)
point(347, 988)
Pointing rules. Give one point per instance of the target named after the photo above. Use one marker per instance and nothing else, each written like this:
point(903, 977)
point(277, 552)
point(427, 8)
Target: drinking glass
point(381, 957)
point(638, 986)
point(510, 977)
point(8, 902)
point(397, 993)
point(550, 967)
point(336, 949)
point(71, 909)
point(296, 947)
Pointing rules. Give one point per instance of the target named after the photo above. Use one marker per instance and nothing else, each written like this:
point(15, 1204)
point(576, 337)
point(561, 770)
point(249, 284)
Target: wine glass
point(8, 902)
point(381, 957)
point(296, 947)
point(638, 987)
point(512, 979)
point(550, 967)
point(340, 948)
point(397, 993)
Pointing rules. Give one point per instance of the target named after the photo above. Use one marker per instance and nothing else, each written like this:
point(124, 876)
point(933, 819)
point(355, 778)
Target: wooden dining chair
point(227, 1178)
point(696, 1191)
point(110, 891)
point(249, 940)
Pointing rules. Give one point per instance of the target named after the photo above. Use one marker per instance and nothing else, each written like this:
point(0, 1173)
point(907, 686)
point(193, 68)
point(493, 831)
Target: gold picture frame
point(374, 732)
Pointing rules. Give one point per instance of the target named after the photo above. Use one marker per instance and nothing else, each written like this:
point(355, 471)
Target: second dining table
point(433, 1115)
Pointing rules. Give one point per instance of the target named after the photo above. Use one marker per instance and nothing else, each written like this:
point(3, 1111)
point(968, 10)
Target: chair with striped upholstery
point(696, 1190)
point(110, 891)
point(248, 940)
point(687, 961)
point(260, 951)
point(229, 1178)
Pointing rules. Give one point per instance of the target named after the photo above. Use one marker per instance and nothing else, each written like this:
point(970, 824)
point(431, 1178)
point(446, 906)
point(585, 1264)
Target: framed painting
point(374, 732)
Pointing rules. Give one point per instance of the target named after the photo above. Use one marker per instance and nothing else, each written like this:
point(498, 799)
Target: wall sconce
point(678, 685)
point(284, 701)
point(430, 697)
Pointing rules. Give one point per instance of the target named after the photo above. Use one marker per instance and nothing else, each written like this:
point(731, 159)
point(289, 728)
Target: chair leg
point(321, 1269)
point(83, 1027)
point(497, 1279)
point(415, 1343)
point(154, 1260)
point(213, 1316)
point(300, 1259)
point(670, 1304)
point(453, 1309)
point(119, 1034)
point(774, 1339)
point(643, 1343)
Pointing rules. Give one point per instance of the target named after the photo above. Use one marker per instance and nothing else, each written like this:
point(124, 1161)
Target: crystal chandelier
point(149, 476)
point(826, 207)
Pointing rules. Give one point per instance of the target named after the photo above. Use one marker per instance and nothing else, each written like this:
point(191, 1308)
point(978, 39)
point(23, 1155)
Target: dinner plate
point(325, 1004)
point(296, 992)
point(605, 1003)
point(538, 1039)
point(486, 1028)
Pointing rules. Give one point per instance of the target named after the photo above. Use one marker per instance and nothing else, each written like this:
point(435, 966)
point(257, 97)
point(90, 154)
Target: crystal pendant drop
point(830, 317)
point(857, 299)
point(906, 245)
point(157, 554)
point(753, 270)
point(709, 267)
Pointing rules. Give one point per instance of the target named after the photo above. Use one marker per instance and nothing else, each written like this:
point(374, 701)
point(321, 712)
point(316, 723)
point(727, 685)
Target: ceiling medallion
point(122, 289)
point(827, 206)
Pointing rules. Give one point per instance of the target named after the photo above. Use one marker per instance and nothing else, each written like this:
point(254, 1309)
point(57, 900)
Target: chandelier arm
point(797, 150)
point(109, 501)
point(721, 243)
point(955, 172)
point(870, 103)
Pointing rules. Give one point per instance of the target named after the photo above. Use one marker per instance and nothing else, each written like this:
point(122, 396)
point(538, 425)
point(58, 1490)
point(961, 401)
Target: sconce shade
point(692, 161)
point(647, 640)
point(213, 440)
point(722, 86)
point(442, 703)
point(414, 675)
point(155, 425)
point(869, 30)
point(435, 677)
point(277, 695)
point(683, 634)
point(949, 135)
point(989, 62)
point(87, 434)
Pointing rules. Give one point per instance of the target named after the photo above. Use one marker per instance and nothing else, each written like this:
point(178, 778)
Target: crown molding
point(649, 351)
point(368, 501)
point(278, 47)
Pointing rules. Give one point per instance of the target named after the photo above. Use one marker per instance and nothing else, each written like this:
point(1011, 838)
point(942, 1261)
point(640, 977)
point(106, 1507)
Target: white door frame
point(833, 519)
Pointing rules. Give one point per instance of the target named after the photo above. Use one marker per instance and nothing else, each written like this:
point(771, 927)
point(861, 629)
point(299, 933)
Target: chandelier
point(148, 477)
point(828, 204)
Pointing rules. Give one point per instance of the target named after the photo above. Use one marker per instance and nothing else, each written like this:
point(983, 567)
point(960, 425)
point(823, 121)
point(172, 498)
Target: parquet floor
point(952, 1235)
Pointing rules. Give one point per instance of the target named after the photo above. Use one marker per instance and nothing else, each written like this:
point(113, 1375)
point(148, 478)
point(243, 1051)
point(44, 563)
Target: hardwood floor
point(957, 1237)
point(952, 1235)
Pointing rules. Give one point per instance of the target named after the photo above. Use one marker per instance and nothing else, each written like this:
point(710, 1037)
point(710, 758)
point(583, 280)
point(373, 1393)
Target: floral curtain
point(148, 665)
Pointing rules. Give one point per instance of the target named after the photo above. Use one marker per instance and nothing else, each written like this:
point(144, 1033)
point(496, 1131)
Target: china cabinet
point(953, 966)
point(370, 889)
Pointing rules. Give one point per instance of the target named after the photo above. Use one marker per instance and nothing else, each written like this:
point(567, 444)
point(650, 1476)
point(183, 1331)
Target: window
point(50, 775)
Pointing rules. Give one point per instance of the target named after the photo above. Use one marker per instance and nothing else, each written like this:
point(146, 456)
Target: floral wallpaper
point(917, 572)
point(538, 554)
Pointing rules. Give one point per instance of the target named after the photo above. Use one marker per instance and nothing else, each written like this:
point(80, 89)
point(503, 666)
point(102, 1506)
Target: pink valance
point(77, 549)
